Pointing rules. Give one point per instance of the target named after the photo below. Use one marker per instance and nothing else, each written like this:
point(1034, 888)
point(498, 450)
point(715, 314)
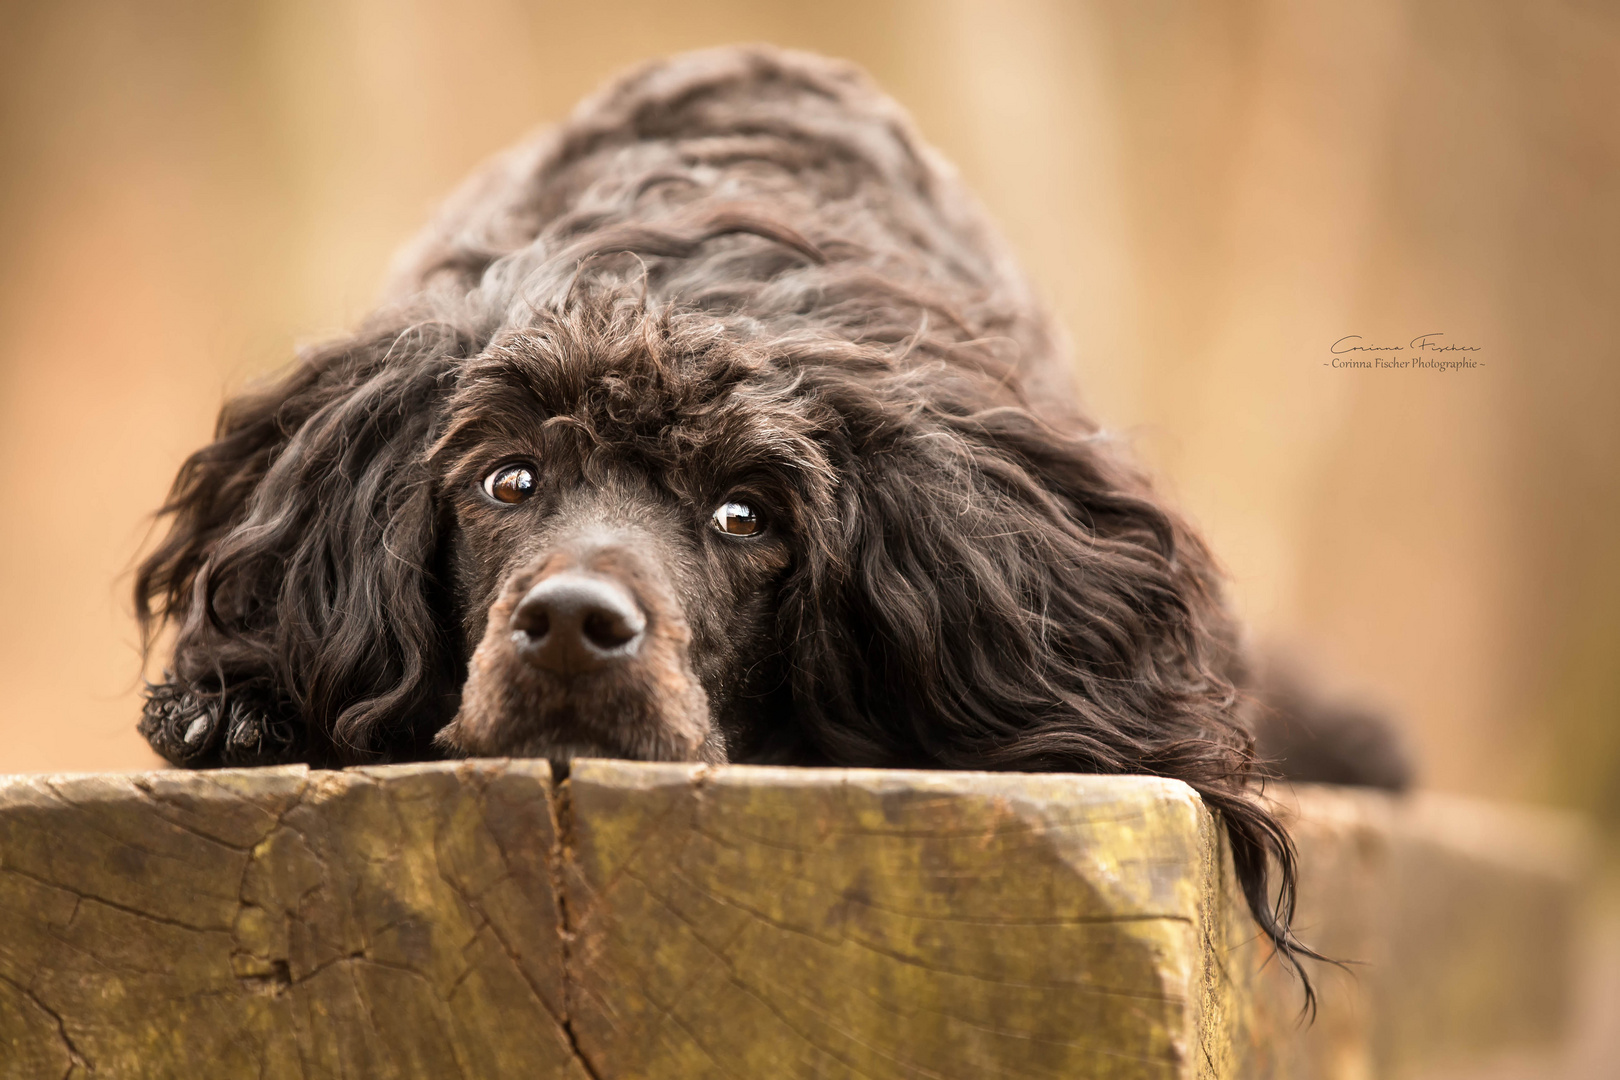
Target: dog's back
point(775, 187)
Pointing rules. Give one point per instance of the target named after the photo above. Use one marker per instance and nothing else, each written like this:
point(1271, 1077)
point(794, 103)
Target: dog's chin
point(553, 746)
point(506, 725)
point(561, 747)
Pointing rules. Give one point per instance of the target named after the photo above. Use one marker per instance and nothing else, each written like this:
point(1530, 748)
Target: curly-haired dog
point(716, 424)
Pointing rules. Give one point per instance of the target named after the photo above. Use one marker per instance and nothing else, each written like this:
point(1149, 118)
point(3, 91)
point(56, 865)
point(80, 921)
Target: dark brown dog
point(716, 424)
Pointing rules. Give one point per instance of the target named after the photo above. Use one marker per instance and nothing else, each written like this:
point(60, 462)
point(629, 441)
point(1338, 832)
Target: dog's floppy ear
point(1005, 594)
point(297, 572)
point(1009, 596)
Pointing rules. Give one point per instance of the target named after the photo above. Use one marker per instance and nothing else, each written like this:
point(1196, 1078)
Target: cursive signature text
point(1351, 351)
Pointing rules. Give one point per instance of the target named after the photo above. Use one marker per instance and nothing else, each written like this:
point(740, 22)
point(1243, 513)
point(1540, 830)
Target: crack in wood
point(562, 810)
point(76, 1059)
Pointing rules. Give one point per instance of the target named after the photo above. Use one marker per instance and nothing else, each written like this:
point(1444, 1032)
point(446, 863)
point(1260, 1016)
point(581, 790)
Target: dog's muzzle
point(586, 652)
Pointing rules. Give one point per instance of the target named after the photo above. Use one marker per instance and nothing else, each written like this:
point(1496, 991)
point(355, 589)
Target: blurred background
point(1210, 195)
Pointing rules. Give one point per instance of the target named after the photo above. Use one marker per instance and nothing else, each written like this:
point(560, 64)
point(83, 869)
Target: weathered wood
point(281, 922)
point(635, 920)
point(1459, 916)
point(779, 922)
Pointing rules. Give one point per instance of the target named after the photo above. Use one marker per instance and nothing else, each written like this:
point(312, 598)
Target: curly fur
point(735, 267)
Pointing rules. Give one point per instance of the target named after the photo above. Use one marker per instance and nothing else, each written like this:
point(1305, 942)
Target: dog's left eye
point(510, 483)
point(737, 519)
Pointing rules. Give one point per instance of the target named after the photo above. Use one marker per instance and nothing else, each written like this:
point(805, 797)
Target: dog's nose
point(574, 622)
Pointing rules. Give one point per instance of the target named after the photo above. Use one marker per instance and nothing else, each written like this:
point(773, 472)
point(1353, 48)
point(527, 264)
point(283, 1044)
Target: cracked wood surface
point(480, 919)
point(281, 923)
point(784, 922)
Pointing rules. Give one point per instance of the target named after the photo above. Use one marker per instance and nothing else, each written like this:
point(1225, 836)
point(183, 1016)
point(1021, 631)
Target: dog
point(716, 424)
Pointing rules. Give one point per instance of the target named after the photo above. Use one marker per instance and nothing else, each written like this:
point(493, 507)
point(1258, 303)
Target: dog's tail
point(1305, 736)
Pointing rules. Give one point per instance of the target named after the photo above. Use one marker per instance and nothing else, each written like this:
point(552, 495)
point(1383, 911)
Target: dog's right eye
point(510, 483)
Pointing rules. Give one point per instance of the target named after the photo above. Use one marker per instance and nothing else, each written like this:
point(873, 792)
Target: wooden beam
point(482, 918)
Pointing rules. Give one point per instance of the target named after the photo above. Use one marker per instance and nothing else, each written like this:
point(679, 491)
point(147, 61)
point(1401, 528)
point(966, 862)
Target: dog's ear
point(1008, 596)
point(297, 572)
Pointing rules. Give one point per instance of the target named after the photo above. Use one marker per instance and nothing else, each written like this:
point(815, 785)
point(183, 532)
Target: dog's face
point(623, 516)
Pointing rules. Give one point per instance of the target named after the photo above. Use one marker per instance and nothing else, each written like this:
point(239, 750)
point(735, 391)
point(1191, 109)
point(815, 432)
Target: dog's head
point(616, 530)
point(626, 498)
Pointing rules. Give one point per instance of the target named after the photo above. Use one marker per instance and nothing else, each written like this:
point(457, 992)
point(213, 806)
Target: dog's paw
point(199, 729)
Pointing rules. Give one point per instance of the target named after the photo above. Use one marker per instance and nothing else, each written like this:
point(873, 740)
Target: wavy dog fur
point(733, 264)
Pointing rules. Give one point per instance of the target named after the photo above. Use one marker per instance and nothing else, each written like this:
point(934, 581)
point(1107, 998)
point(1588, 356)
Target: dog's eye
point(510, 483)
point(737, 519)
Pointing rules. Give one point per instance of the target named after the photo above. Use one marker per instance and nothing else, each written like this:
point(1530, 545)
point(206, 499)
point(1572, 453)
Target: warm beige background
point(1210, 195)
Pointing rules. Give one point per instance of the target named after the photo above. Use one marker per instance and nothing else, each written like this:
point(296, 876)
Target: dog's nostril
point(607, 629)
point(574, 622)
point(534, 622)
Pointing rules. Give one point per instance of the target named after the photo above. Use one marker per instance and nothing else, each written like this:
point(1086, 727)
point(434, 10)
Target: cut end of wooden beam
point(810, 923)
